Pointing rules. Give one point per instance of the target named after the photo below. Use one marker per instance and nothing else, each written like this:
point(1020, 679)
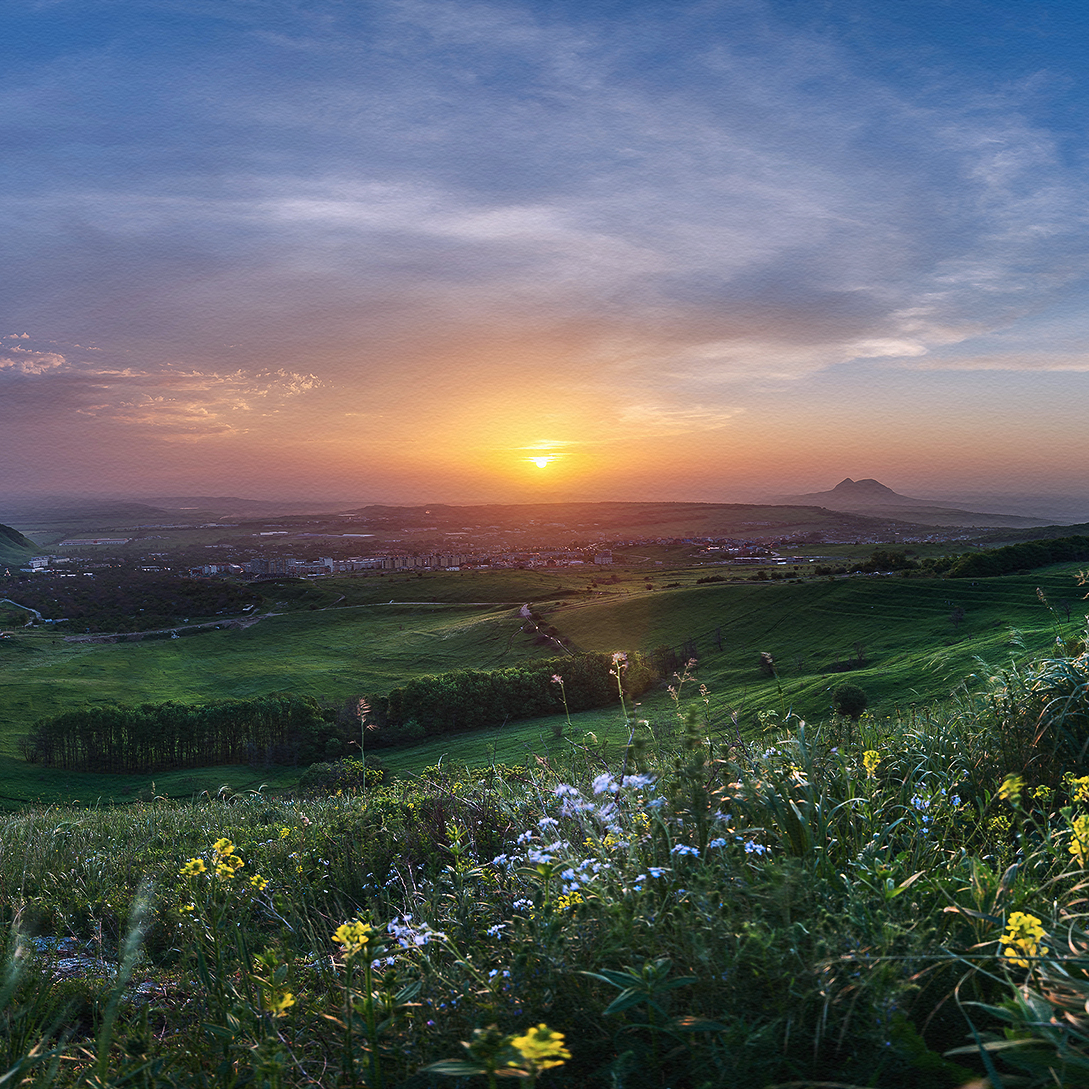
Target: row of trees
point(154, 737)
point(128, 600)
point(466, 699)
point(1020, 557)
point(290, 729)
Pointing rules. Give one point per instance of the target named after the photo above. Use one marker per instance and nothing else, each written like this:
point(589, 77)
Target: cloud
point(25, 361)
point(170, 401)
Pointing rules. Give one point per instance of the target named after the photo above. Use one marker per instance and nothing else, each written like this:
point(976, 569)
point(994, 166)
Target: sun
point(540, 462)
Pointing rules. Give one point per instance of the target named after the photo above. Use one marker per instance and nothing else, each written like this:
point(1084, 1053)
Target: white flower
point(604, 784)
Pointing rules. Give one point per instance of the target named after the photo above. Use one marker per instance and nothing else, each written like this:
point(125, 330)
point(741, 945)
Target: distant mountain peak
point(869, 487)
point(851, 494)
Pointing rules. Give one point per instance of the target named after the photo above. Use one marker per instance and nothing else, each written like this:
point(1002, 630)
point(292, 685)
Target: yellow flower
point(258, 882)
point(1010, 790)
point(1079, 789)
point(540, 1048)
point(1079, 843)
point(1022, 938)
point(284, 833)
point(223, 847)
point(354, 936)
point(568, 901)
point(279, 1002)
point(186, 909)
point(227, 866)
point(870, 759)
point(193, 867)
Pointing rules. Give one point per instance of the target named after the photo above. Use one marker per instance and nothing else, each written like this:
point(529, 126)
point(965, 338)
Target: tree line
point(153, 737)
point(1020, 557)
point(291, 729)
point(467, 699)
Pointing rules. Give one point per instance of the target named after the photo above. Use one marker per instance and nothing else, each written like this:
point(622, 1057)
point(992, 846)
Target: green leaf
point(454, 1068)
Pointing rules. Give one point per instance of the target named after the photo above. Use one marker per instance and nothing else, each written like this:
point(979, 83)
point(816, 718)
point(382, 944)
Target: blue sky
point(392, 250)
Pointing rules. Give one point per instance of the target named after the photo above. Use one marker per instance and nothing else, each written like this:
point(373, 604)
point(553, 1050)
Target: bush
point(347, 775)
point(850, 700)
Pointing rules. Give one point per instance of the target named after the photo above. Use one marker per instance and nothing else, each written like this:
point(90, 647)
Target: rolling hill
point(14, 547)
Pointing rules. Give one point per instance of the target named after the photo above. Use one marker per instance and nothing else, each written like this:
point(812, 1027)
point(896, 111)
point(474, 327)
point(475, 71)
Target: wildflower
point(227, 866)
point(1022, 938)
point(568, 901)
point(684, 849)
point(193, 867)
point(284, 833)
point(258, 882)
point(754, 848)
point(1010, 790)
point(720, 842)
point(1079, 789)
point(496, 931)
point(620, 659)
point(603, 784)
point(353, 936)
point(223, 847)
point(187, 909)
point(870, 759)
point(540, 1048)
point(656, 871)
point(408, 935)
point(1079, 843)
point(279, 1002)
point(557, 679)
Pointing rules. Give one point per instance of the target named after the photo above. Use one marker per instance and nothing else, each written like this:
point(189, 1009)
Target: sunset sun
point(540, 462)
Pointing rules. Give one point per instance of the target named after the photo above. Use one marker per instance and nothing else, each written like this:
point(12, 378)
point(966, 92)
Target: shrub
point(850, 700)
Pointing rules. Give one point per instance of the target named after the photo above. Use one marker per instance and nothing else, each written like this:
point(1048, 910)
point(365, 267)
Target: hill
point(875, 499)
point(14, 547)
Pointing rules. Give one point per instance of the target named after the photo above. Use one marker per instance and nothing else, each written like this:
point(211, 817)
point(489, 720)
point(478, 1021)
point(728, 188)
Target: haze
point(404, 250)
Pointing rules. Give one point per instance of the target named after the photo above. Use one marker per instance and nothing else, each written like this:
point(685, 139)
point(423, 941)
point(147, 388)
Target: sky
point(448, 250)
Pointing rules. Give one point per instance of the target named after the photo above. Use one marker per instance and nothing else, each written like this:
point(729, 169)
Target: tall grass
point(826, 902)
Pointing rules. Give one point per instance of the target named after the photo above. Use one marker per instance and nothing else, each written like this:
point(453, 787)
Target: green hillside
point(914, 649)
point(14, 547)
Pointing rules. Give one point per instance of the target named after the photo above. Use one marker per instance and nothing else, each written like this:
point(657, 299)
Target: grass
point(894, 903)
point(342, 637)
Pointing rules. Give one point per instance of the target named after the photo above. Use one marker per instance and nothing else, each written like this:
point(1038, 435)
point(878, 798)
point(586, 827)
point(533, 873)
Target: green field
point(337, 638)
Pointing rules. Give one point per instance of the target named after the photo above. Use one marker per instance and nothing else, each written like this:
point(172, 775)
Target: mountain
point(14, 547)
point(871, 497)
point(859, 494)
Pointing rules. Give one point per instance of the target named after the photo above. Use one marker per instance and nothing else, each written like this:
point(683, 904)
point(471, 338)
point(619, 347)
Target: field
point(333, 639)
point(735, 887)
point(895, 903)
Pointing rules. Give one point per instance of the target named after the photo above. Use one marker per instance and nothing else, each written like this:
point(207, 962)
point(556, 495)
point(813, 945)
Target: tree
point(850, 701)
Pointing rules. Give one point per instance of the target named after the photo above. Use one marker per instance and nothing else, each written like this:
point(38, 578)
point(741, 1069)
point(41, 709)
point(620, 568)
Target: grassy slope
point(913, 652)
point(14, 547)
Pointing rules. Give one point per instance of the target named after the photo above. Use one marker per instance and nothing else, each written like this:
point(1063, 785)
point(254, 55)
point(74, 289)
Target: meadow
point(344, 637)
point(896, 901)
